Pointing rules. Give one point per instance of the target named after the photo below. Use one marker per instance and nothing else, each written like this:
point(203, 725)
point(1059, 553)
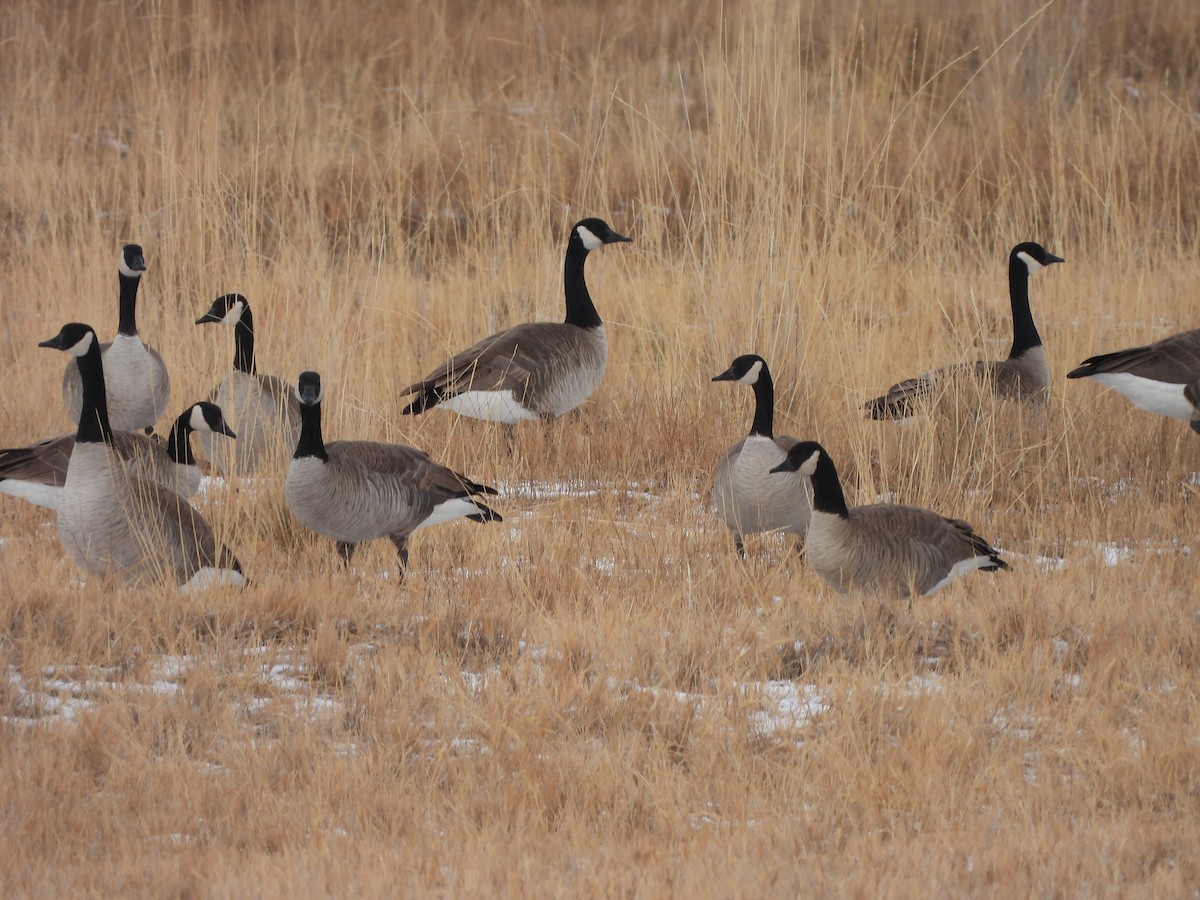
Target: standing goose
point(114, 523)
point(136, 378)
point(1162, 378)
point(747, 495)
point(885, 546)
point(1024, 375)
point(355, 491)
point(262, 408)
point(38, 473)
point(531, 371)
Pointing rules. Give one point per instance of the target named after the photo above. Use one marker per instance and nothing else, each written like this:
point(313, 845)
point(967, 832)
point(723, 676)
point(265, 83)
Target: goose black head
point(74, 338)
point(745, 369)
point(1034, 256)
point(802, 458)
point(592, 233)
point(227, 308)
point(308, 389)
point(205, 416)
point(131, 263)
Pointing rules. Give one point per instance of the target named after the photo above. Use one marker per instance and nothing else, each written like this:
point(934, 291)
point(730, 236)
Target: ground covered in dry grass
point(597, 697)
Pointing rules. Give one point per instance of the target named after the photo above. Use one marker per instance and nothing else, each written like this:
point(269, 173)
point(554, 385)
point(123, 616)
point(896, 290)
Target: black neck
point(243, 342)
point(1025, 333)
point(580, 309)
point(179, 448)
point(93, 417)
point(129, 288)
point(827, 488)
point(311, 443)
point(764, 405)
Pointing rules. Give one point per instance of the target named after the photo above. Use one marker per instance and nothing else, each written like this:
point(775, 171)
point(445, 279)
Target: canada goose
point(261, 407)
point(882, 546)
point(1024, 375)
point(37, 473)
point(112, 522)
point(1163, 377)
point(531, 371)
point(137, 382)
point(355, 491)
point(748, 497)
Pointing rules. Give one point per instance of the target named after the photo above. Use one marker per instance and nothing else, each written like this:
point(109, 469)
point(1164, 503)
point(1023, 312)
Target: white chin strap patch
point(1031, 264)
point(124, 269)
point(197, 421)
point(83, 345)
point(300, 400)
point(810, 465)
point(235, 313)
point(590, 241)
point(751, 376)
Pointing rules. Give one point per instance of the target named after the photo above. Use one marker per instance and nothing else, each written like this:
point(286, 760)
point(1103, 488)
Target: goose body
point(886, 547)
point(38, 473)
point(113, 523)
point(136, 379)
point(356, 491)
point(1162, 378)
point(748, 495)
point(531, 371)
point(262, 409)
point(1023, 375)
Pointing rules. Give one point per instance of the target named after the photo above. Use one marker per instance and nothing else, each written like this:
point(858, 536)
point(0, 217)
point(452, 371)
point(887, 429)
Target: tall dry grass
point(574, 702)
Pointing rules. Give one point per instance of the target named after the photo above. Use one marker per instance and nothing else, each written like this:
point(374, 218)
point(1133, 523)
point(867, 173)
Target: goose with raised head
point(531, 371)
point(1023, 375)
point(747, 495)
point(887, 547)
point(1163, 377)
point(113, 523)
point(38, 473)
point(261, 408)
point(356, 491)
point(136, 378)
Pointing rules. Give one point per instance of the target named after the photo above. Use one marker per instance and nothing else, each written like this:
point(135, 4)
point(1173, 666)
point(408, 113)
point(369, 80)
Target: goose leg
point(741, 548)
point(345, 551)
point(401, 550)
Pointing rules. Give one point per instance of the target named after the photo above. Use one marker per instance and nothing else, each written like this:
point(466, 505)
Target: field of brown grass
point(598, 697)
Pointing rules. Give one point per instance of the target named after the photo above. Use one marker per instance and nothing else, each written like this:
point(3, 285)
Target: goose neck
point(827, 488)
point(243, 343)
point(1025, 333)
point(179, 448)
point(127, 322)
point(311, 443)
point(580, 309)
point(94, 426)
point(764, 405)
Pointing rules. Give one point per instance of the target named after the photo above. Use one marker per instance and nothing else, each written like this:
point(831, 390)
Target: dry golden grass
point(577, 701)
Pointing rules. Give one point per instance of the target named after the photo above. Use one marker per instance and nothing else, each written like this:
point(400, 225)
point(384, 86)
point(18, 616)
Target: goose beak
point(225, 430)
point(54, 343)
point(614, 238)
point(210, 316)
point(786, 466)
point(309, 394)
point(727, 375)
point(1051, 259)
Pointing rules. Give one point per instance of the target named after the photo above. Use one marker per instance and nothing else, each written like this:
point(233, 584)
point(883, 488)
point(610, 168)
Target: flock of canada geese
point(123, 497)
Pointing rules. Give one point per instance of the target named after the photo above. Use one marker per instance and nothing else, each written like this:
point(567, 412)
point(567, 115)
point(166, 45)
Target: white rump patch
point(590, 241)
point(1160, 397)
point(83, 345)
point(45, 495)
point(959, 569)
point(491, 406)
point(209, 577)
point(1031, 264)
point(124, 269)
point(448, 511)
point(751, 376)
